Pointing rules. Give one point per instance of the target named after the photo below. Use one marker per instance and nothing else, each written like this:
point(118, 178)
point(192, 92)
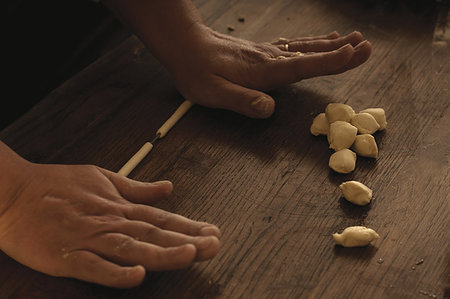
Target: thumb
point(237, 98)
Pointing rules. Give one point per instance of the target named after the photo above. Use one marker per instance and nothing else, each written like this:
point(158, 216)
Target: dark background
point(45, 43)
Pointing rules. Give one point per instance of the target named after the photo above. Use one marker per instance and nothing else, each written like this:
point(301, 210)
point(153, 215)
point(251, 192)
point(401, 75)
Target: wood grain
point(266, 183)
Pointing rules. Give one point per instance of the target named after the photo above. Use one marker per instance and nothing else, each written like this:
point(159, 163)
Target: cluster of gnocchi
point(347, 131)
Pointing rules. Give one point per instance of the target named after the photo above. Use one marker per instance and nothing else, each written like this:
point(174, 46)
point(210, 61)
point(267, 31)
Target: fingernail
point(262, 106)
point(165, 187)
point(210, 231)
point(161, 183)
point(205, 242)
point(332, 34)
point(345, 47)
point(361, 44)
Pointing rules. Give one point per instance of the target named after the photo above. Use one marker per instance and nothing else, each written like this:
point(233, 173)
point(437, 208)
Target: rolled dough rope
point(184, 107)
point(136, 159)
point(147, 147)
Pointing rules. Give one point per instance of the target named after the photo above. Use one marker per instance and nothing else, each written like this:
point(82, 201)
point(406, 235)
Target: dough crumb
point(419, 262)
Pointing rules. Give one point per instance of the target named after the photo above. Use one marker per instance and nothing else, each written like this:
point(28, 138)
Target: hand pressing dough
point(379, 115)
point(319, 125)
point(341, 135)
point(356, 192)
point(365, 146)
point(343, 161)
point(365, 123)
point(339, 111)
point(355, 236)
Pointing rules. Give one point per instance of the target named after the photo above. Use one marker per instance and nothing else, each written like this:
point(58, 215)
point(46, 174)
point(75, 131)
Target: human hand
point(91, 224)
point(221, 71)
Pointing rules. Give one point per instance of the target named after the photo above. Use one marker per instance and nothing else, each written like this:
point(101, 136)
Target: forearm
point(166, 27)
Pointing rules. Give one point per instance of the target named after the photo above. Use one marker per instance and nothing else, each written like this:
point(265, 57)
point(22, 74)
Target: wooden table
point(266, 183)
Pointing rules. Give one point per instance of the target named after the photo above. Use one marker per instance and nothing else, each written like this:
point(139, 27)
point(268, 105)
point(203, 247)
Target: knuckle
point(302, 45)
point(150, 231)
point(162, 219)
point(123, 245)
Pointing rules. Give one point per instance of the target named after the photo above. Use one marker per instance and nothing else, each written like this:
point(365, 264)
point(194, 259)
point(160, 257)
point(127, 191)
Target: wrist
point(166, 28)
point(11, 176)
point(173, 53)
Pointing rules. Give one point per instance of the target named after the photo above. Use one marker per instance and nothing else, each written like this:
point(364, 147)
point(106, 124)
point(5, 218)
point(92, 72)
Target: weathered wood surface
point(266, 183)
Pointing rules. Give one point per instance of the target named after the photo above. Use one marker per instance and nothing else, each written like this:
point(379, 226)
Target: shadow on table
point(355, 253)
point(26, 283)
point(187, 283)
point(286, 130)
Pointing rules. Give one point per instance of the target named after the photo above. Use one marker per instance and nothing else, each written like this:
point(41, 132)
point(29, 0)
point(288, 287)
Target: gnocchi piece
point(356, 192)
point(365, 146)
point(379, 115)
point(319, 125)
point(341, 135)
point(339, 111)
point(355, 236)
point(343, 161)
point(365, 123)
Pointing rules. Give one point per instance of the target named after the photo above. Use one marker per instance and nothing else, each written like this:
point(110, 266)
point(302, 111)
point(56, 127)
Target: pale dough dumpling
point(319, 125)
point(356, 192)
point(339, 111)
point(365, 123)
point(365, 146)
point(355, 236)
point(341, 135)
point(379, 115)
point(343, 161)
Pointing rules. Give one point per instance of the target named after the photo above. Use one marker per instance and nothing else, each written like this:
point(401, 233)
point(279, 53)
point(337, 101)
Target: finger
point(284, 71)
point(126, 250)
point(171, 221)
point(139, 192)
point(331, 35)
point(325, 45)
point(207, 246)
point(249, 102)
point(87, 266)
point(362, 53)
